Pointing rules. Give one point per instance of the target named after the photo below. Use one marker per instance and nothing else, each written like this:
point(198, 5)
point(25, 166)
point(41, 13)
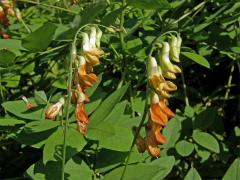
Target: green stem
point(200, 5)
point(122, 24)
point(121, 36)
point(184, 89)
point(136, 133)
point(50, 6)
point(152, 45)
point(25, 26)
point(69, 91)
point(131, 101)
point(229, 83)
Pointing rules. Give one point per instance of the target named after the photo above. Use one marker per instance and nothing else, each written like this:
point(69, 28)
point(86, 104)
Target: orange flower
point(82, 118)
point(3, 18)
point(5, 35)
point(152, 147)
point(85, 80)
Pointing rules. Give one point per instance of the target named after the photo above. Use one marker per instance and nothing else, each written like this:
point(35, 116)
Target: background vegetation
point(202, 139)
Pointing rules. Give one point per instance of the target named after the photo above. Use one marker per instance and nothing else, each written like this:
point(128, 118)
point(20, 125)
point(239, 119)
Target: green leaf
point(192, 175)
point(155, 170)
point(76, 168)
point(92, 105)
point(10, 122)
point(172, 132)
point(36, 140)
point(206, 140)
point(114, 159)
point(149, 4)
point(19, 109)
point(10, 44)
point(107, 134)
point(40, 97)
point(133, 172)
point(40, 39)
point(6, 58)
point(89, 14)
point(53, 147)
point(92, 89)
point(205, 119)
point(39, 126)
point(233, 172)
point(203, 153)
point(184, 148)
point(111, 17)
point(165, 165)
point(107, 105)
point(197, 58)
point(11, 80)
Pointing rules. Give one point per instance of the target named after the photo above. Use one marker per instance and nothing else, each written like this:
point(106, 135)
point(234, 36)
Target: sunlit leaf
point(40, 39)
point(197, 58)
point(206, 140)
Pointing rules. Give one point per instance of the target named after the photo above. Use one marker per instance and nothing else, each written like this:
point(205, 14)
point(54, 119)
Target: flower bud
point(179, 42)
point(154, 98)
point(98, 37)
point(152, 147)
point(140, 143)
point(74, 52)
point(165, 63)
point(28, 104)
point(169, 75)
point(152, 67)
point(92, 39)
point(54, 110)
point(85, 42)
point(174, 53)
point(18, 14)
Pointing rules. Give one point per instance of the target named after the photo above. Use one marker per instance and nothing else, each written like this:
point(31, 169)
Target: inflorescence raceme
point(7, 8)
point(158, 69)
point(83, 78)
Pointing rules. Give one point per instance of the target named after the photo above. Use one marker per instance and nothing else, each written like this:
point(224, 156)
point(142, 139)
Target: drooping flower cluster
point(84, 76)
point(160, 88)
point(7, 8)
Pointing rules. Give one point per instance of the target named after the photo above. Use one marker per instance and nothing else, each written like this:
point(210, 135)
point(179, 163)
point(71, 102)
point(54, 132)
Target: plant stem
point(25, 26)
point(121, 36)
point(69, 91)
point(136, 133)
point(229, 83)
point(47, 5)
point(184, 89)
point(200, 5)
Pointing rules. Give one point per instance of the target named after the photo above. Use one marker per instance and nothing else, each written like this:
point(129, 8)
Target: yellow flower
point(157, 81)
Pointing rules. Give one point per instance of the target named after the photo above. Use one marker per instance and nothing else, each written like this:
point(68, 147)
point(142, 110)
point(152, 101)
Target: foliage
point(203, 136)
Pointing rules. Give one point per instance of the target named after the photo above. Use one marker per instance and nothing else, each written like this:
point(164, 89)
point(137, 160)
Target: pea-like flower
point(85, 80)
point(28, 103)
point(91, 46)
point(165, 62)
point(54, 109)
point(157, 81)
